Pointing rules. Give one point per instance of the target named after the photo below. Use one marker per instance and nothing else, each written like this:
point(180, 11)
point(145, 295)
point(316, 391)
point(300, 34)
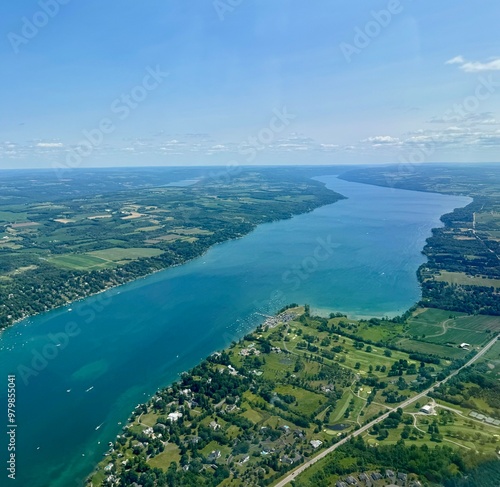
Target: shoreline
point(267, 321)
point(316, 178)
point(108, 288)
point(140, 285)
point(115, 286)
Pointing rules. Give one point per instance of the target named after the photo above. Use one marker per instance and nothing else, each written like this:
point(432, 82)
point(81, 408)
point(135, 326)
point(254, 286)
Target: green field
point(79, 262)
point(462, 278)
point(439, 327)
point(100, 259)
point(307, 402)
point(13, 217)
point(164, 459)
point(431, 348)
point(119, 254)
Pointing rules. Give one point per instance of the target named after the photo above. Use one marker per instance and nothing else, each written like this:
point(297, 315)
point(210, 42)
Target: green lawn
point(308, 402)
point(251, 414)
point(342, 405)
point(166, 457)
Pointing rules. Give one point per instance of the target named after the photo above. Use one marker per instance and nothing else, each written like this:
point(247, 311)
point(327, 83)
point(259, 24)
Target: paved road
point(361, 430)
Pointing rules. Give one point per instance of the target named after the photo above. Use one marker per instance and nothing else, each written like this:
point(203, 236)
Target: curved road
point(291, 476)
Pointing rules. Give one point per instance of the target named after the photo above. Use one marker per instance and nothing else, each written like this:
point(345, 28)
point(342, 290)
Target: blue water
point(358, 255)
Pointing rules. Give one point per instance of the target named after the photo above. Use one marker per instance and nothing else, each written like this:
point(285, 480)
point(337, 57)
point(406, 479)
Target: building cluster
point(250, 350)
point(484, 418)
point(285, 317)
point(367, 479)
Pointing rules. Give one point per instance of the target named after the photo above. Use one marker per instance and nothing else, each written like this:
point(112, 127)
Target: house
point(376, 476)
point(390, 474)
point(214, 425)
point(291, 460)
point(363, 477)
point(402, 476)
point(174, 416)
point(299, 434)
point(245, 460)
point(340, 484)
point(316, 443)
point(231, 408)
point(351, 480)
point(108, 467)
point(214, 455)
point(465, 346)
point(232, 370)
point(427, 409)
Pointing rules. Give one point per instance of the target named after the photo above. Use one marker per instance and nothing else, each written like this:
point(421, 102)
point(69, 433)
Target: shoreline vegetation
point(298, 384)
point(251, 413)
point(462, 272)
point(57, 253)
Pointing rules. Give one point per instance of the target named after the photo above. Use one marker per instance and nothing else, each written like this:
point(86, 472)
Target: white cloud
point(475, 66)
point(483, 118)
point(456, 60)
point(382, 141)
point(50, 145)
point(218, 148)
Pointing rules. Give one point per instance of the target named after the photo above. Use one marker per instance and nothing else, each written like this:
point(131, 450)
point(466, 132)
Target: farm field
point(96, 229)
point(462, 278)
point(441, 327)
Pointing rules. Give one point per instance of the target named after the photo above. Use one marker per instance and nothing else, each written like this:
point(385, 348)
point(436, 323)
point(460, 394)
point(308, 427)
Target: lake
point(82, 369)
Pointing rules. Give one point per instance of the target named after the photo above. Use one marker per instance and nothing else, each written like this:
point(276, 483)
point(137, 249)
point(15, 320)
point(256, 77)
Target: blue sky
point(176, 82)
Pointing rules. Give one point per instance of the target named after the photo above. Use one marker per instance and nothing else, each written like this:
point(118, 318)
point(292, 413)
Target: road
point(291, 476)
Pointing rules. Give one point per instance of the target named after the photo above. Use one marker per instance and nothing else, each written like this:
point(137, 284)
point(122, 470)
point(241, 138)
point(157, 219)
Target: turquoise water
point(358, 255)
